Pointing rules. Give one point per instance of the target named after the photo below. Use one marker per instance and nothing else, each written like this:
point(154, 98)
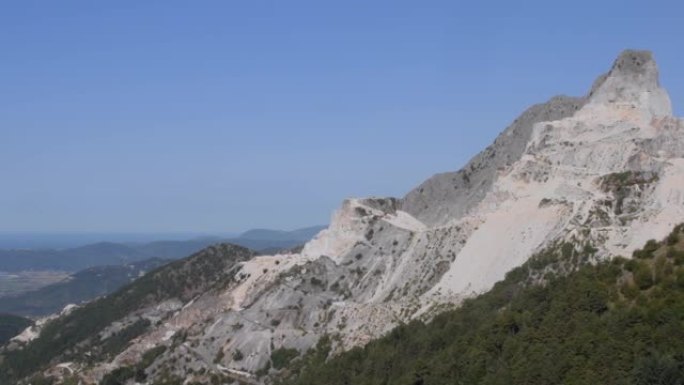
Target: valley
point(20, 282)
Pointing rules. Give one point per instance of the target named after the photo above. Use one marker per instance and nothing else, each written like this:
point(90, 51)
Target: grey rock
point(450, 195)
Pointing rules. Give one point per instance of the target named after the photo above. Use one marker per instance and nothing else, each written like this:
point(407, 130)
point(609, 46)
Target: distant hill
point(98, 254)
point(174, 249)
point(267, 241)
point(34, 240)
point(182, 280)
point(11, 325)
point(299, 235)
point(81, 286)
point(112, 253)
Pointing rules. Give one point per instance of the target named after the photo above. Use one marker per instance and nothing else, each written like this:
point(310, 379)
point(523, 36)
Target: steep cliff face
point(605, 170)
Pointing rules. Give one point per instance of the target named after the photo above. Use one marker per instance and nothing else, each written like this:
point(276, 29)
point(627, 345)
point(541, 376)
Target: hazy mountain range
point(113, 253)
point(104, 267)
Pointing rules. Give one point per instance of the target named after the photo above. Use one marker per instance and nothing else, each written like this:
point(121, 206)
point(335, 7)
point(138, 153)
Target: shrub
point(282, 356)
point(657, 370)
point(673, 238)
point(629, 290)
point(631, 265)
point(118, 376)
point(151, 355)
point(661, 268)
point(680, 278)
point(219, 356)
point(237, 355)
point(643, 276)
point(39, 379)
point(651, 246)
point(676, 255)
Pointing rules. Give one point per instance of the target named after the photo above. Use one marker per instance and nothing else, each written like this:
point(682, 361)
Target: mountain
point(74, 259)
point(616, 322)
point(299, 235)
point(112, 253)
point(11, 325)
point(273, 241)
point(575, 181)
point(37, 240)
point(79, 287)
point(104, 327)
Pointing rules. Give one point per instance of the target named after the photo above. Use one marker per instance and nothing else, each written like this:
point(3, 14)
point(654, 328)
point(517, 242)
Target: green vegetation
point(621, 185)
point(151, 355)
point(561, 318)
point(219, 356)
point(118, 341)
point(11, 325)
point(617, 322)
point(628, 178)
point(71, 336)
point(169, 379)
point(120, 375)
point(282, 356)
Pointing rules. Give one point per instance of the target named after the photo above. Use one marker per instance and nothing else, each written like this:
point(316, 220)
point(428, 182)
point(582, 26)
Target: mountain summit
point(604, 171)
point(633, 80)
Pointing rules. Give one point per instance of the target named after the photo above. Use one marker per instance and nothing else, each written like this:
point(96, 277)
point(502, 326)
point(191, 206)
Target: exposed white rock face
point(633, 80)
point(606, 168)
point(554, 190)
point(32, 332)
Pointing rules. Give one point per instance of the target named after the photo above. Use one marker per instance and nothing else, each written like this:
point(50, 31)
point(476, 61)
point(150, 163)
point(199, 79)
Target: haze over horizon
point(168, 117)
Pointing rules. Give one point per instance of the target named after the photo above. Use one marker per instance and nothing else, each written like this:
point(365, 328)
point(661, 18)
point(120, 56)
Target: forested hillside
point(616, 322)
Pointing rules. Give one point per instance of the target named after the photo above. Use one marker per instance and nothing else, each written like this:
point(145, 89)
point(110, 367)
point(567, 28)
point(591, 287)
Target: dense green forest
point(617, 322)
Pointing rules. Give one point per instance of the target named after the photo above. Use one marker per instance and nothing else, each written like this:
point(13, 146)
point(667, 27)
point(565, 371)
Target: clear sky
point(213, 116)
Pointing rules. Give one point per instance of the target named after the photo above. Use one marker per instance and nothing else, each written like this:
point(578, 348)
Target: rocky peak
point(633, 80)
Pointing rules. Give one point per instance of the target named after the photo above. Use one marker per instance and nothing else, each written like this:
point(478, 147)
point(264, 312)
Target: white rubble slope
point(552, 175)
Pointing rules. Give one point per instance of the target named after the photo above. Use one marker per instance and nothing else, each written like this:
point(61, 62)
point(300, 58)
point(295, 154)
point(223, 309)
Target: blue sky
point(214, 116)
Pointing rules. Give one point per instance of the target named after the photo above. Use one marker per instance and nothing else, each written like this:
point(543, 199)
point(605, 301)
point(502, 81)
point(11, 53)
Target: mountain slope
point(101, 329)
point(618, 322)
point(450, 195)
point(602, 173)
